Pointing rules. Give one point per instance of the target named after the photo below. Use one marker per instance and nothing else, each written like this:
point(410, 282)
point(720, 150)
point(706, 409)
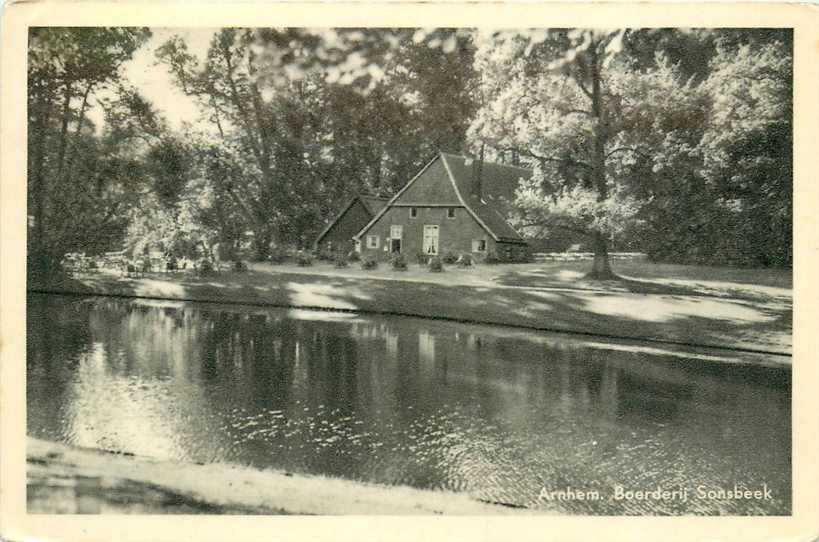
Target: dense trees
point(80, 180)
point(630, 138)
point(298, 135)
point(681, 140)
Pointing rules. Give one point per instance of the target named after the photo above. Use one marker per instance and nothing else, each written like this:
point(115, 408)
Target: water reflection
point(500, 415)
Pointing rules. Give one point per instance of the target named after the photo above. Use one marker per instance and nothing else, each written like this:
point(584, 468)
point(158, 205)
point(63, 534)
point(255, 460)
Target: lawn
point(686, 309)
point(647, 277)
point(637, 277)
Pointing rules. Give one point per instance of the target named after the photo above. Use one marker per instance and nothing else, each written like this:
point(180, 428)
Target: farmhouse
point(455, 205)
point(338, 235)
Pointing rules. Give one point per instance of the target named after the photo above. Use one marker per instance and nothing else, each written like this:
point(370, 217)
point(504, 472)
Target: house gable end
point(355, 205)
point(432, 187)
point(389, 204)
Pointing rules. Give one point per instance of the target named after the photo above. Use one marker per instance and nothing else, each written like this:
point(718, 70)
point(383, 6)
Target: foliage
point(353, 256)
point(398, 262)
point(170, 163)
point(278, 255)
point(491, 258)
point(435, 265)
point(82, 181)
point(450, 257)
point(464, 260)
point(296, 135)
point(239, 266)
point(206, 268)
point(340, 260)
point(304, 259)
point(699, 181)
point(296, 121)
point(369, 263)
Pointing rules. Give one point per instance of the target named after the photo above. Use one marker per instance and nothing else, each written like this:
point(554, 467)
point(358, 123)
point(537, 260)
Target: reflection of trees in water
point(57, 334)
point(510, 401)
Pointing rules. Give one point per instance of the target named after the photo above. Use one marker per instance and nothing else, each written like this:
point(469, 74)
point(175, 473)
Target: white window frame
point(413, 213)
point(372, 241)
point(436, 246)
point(476, 245)
point(451, 210)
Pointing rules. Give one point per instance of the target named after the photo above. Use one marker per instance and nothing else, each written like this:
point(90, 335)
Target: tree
point(67, 69)
point(272, 136)
point(748, 145)
point(588, 119)
point(299, 133)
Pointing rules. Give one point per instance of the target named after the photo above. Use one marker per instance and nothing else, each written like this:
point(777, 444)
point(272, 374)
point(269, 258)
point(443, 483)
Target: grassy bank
point(69, 480)
point(757, 321)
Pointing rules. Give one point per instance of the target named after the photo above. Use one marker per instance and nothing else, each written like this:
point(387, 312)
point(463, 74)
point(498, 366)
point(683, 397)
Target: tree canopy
point(670, 141)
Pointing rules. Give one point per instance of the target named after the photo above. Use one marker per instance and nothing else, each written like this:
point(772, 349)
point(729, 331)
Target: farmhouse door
point(396, 234)
point(430, 240)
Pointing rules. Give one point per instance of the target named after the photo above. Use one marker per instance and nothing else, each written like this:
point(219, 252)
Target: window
point(372, 241)
point(413, 212)
point(450, 212)
point(430, 246)
point(396, 234)
point(479, 245)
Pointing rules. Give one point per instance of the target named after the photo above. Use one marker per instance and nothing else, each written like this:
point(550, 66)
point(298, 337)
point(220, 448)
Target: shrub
point(491, 258)
point(239, 266)
point(353, 256)
point(421, 258)
point(450, 258)
point(325, 256)
point(340, 260)
point(398, 262)
point(278, 255)
point(304, 259)
point(206, 268)
point(369, 263)
point(464, 260)
point(435, 265)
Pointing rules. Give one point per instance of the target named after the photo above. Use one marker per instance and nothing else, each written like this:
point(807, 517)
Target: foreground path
point(753, 326)
point(68, 480)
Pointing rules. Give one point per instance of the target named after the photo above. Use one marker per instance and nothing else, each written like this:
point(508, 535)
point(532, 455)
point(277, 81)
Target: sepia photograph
point(454, 271)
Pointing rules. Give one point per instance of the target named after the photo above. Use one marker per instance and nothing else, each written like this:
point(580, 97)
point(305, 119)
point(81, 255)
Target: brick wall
point(455, 235)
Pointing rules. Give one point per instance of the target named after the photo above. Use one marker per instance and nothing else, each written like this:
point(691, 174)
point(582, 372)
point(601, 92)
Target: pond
point(505, 416)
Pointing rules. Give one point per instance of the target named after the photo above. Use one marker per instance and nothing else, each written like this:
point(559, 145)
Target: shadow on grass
point(645, 279)
point(673, 316)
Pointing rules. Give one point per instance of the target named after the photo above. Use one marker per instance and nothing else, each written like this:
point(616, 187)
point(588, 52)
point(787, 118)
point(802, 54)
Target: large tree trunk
point(601, 268)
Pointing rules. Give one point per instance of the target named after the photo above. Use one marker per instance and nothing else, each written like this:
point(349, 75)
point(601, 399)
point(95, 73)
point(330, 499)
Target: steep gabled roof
point(498, 185)
point(372, 204)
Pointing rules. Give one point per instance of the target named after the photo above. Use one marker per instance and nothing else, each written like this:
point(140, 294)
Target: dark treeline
point(675, 143)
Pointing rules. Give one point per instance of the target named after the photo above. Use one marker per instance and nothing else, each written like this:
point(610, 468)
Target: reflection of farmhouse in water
point(455, 204)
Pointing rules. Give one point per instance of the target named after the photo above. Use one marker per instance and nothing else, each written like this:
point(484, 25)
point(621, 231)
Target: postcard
point(409, 271)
